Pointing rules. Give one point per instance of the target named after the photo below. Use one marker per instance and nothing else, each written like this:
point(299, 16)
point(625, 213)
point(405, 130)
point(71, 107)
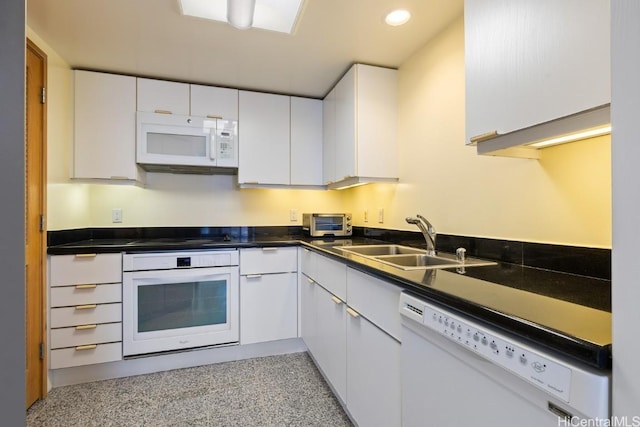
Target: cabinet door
point(214, 102)
point(161, 95)
point(308, 314)
point(263, 128)
point(345, 103)
point(373, 374)
point(331, 354)
point(104, 126)
point(306, 141)
point(531, 61)
point(268, 307)
point(329, 137)
point(376, 120)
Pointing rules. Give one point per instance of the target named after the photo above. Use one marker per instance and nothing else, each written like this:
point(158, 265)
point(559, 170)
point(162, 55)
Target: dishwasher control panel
point(551, 375)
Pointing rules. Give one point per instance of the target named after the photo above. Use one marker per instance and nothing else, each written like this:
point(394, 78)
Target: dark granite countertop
point(566, 313)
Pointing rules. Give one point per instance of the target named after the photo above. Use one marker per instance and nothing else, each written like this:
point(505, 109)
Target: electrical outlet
point(380, 215)
point(366, 215)
point(116, 215)
point(293, 215)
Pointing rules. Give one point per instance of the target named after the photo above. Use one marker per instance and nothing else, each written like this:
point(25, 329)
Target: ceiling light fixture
point(272, 15)
point(397, 17)
point(240, 13)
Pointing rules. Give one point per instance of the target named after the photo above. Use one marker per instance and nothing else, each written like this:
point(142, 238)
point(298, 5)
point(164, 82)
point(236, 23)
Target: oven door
point(178, 309)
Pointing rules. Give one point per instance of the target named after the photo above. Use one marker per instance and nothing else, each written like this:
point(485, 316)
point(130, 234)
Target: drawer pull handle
point(86, 347)
point(212, 116)
point(163, 112)
point(87, 286)
point(84, 327)
point(86, 307)
point(310, 281)
point(86, 255)
point(271, 249)
point(352, 312)
point(483, 137)
point(336, 299)
point(254, 276)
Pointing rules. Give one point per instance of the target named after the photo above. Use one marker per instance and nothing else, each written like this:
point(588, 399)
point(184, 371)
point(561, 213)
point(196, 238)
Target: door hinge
point(42, 223)
point(43, 95)
point(41, 351)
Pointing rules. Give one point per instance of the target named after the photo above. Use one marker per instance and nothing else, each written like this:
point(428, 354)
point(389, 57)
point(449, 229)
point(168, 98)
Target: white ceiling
point(151, 38)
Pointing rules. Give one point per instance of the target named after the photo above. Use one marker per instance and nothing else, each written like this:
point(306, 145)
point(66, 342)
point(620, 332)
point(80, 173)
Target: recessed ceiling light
point(397, 17)
point(274, 15)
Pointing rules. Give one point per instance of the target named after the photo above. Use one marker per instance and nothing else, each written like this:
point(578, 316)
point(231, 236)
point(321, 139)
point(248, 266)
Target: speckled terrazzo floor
point(284, 390)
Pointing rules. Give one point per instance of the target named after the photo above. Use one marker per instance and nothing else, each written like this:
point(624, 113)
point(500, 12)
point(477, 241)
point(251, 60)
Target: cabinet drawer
point(86, 334)
point(72, 316)
point(85, 269)
point(330, 274)
point(376, 300)
point(64, 296)
point(67, 357)
point(268, 260)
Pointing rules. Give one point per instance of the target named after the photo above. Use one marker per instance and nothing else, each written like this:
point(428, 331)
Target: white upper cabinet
point(306, 141)
point(210, 101)
point(532, 61)
point(360, 127)
point(163, 96)
point(104, 127)
point(263, 134)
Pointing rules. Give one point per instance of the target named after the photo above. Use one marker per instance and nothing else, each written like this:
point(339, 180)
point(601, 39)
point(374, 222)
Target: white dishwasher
point(459, 372)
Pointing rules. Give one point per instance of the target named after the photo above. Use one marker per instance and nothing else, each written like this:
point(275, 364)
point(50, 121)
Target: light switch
point(293, 215)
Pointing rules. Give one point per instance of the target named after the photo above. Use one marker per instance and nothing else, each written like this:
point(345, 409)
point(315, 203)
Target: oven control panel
point(528, 363)
point(179, 260)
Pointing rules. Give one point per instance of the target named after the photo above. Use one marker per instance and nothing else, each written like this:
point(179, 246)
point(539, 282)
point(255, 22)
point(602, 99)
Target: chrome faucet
point(427, 230)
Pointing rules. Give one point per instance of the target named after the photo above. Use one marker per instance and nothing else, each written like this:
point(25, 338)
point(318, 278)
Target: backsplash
point(583, 261)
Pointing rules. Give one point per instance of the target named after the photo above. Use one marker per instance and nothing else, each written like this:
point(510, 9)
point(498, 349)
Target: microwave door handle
point(212, 144)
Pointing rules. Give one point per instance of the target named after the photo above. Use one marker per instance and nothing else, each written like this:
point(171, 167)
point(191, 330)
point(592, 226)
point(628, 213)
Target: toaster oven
point(324, 224)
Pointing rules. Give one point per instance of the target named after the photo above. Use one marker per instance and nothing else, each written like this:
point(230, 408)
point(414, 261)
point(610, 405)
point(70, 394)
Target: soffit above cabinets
point(152, 38)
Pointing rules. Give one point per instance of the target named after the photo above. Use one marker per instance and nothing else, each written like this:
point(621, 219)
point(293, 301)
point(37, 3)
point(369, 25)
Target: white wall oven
point(179, 300)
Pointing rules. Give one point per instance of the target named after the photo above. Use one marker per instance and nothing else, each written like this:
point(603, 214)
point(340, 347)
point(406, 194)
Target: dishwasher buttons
point(523, 359)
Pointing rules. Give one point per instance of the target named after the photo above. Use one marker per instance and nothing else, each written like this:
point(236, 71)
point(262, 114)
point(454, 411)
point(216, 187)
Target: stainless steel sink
point(377, 250)
point(418, 260)
point(408, 258)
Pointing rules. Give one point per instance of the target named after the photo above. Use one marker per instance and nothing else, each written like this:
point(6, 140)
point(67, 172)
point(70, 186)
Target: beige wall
point(563, 198)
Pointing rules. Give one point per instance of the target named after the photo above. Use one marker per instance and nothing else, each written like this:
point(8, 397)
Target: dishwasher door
point(458, 372)
point(445, 386)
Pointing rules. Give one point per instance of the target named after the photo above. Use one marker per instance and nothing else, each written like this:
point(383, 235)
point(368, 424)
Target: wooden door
point(35, 181)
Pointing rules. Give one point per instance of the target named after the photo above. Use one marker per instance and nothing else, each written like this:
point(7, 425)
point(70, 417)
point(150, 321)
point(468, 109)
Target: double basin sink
point(408, 258)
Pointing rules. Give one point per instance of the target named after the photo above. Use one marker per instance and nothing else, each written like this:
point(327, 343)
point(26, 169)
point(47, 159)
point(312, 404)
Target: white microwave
point(185, 144)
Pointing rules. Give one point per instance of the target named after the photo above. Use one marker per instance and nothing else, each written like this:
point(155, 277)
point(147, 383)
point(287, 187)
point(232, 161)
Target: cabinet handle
point(271, 249)
point(87, 286)
point(483, 137)
point(310, 281)
point(211, 116)
point(352, 312)
point(336, 299)
point(84, 327)
point(86, 307)
point(253, 276)
point(86, 347)
point(163, 112)
point(86, 255)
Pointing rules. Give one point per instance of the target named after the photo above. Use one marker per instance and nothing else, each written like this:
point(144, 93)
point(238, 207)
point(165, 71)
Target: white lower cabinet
point(268, 307)
point(85, 309)
point(373, 374)
point(331, 336)
point(268, 294)
point(353, 345)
